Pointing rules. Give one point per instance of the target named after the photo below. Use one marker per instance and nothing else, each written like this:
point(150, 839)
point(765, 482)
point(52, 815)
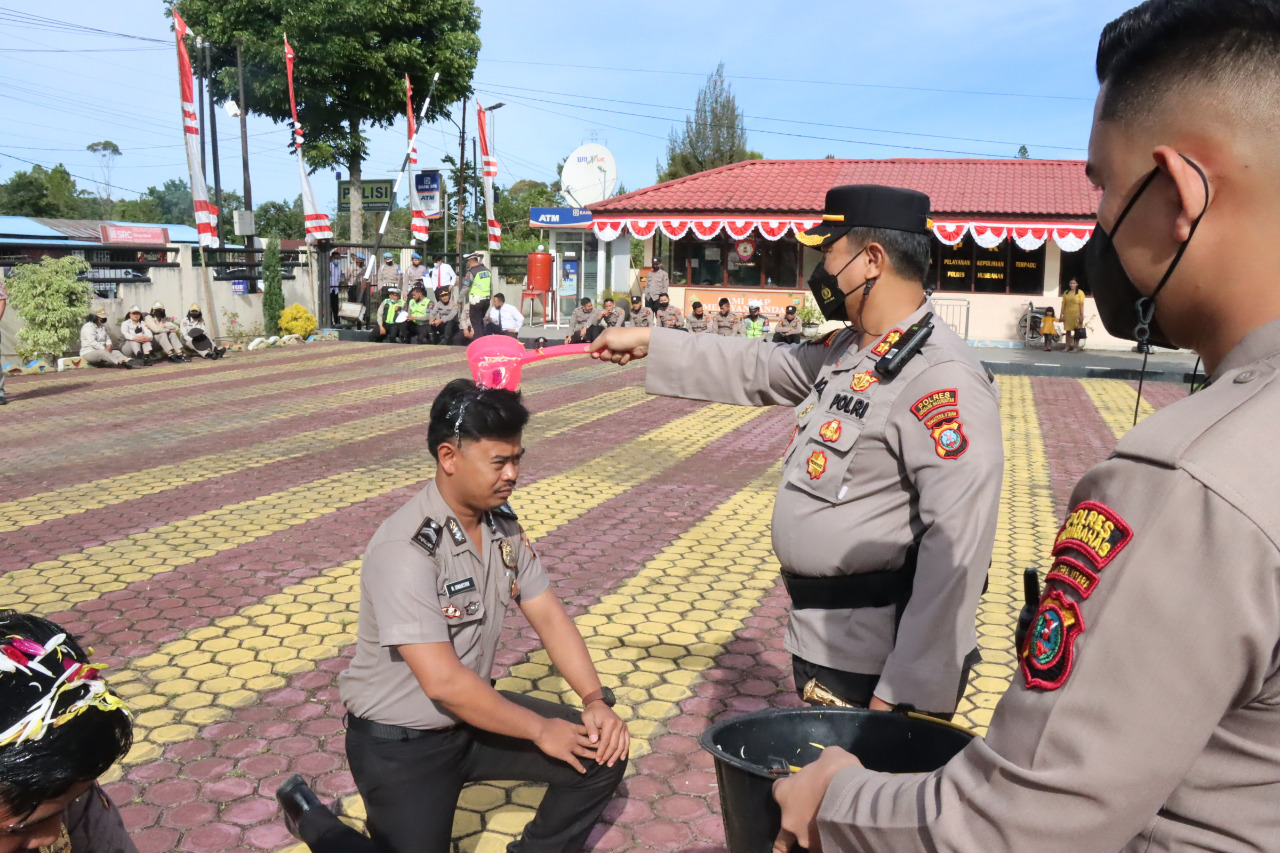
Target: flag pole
point(404, 166)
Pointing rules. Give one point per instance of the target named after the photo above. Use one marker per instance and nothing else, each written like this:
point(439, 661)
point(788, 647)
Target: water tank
point(540, 271)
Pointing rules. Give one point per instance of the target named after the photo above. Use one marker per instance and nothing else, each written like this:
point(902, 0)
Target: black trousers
point(411, 787)
point(652, 305)
point(478, 312)
point(494, 329)
point(857, 688)
point(394, 330)
point(443, 333)
point(415, 331)
point(587, 335)
point(779, 338)
point(333, 307)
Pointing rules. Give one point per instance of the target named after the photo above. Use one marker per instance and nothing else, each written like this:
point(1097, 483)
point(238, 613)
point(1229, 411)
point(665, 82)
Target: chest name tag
point(459, 587)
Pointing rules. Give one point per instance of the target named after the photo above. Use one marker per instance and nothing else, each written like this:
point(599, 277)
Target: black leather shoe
point(296, 799)
point(4, 401)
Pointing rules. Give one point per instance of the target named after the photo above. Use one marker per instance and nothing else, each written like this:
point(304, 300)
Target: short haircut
point(499, 297)
point(724, 301)
point(664, 296)
point(695, 306)
point(464, 410)
point(909, 254)
point(608, 301)
point(35, 770)
point(586, 300)
point(1160, 46)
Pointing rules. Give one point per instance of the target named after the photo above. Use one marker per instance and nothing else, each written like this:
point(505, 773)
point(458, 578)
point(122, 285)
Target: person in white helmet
point(136, 336)
point(165, 333)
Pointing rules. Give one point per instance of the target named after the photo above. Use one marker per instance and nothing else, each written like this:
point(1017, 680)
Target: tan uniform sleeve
point(1177, 638)
point(721, 369)
point(400, 582)
point(955, 465)
point(532, 576)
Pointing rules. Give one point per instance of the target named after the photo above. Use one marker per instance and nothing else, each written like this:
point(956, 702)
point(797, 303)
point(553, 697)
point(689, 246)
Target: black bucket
point(744, 747)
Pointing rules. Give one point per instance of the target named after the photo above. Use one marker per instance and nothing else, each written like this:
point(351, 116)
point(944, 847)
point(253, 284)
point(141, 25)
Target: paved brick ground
point(201, 526)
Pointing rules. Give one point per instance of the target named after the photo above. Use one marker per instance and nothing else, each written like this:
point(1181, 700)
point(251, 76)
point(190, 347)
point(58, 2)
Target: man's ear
point(877, 260)
point(447, 457)
point(1195, 193)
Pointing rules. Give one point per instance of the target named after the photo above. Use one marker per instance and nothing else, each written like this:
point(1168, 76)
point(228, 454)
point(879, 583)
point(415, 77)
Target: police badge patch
point(1093, 531)
point(817, 465)
point(862, 381)
point(1050, 648)
point(508, 553)
point(451, 612)
point(473, 608)
point(455, 531)
point(830, 431)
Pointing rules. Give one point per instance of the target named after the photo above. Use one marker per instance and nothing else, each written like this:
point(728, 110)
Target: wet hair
point(465, 411)
point(36, 770)
point(724, 301)
point(695, 306)
point(909, 254)
point(1161, 46)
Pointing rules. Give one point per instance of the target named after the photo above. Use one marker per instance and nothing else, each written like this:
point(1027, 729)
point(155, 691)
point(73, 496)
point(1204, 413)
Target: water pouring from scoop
point(496, 360)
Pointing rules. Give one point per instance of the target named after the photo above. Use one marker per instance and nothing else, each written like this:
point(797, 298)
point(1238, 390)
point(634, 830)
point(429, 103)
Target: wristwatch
point(606, 696)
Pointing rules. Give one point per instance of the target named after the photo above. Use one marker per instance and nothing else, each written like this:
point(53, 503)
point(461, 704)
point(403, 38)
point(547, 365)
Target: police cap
point(868, 206)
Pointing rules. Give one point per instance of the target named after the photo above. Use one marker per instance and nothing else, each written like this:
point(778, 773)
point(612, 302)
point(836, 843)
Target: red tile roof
point(1049, 189)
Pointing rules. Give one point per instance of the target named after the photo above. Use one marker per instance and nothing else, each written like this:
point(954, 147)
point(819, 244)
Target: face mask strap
point(1147, 304)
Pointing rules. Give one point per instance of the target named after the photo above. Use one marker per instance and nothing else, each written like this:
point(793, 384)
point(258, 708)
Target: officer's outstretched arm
point(469, 697)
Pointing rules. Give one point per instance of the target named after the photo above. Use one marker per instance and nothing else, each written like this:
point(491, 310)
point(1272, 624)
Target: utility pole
point(200, 42)
point(475, 178)
point(213, 142)
point(244, 134)
point(462, 183)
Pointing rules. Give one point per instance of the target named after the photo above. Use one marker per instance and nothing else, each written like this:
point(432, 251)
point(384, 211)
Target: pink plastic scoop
point(496, 360)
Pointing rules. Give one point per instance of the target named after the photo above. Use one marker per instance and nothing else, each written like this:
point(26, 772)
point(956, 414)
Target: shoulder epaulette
point(428, 536)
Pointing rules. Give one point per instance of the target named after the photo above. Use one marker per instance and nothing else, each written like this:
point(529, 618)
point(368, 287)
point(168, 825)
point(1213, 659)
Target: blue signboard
point(559, 217)
point(427, 186)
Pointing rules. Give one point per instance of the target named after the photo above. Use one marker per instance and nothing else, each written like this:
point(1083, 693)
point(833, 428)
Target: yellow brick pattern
point(1114, 400)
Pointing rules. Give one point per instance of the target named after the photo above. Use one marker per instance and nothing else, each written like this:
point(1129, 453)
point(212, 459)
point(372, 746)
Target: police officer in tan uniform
point(697, 321)
point(723, 322)
point(886, 515)
point(1143, 716)
point(656, 284)
point(641, 316)
point(788, 330)
point(580, 322)
point(668, 316)
point(435, 586)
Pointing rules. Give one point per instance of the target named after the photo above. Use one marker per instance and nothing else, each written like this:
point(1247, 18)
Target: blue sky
point(904, 79)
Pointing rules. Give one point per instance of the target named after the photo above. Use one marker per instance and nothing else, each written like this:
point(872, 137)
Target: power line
point(79, 50)
point(38, 22)
point(794, 80)
point(72, 174)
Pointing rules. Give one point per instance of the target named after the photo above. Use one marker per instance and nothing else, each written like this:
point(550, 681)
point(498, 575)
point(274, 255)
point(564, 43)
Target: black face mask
point(826, 290)
point(1124, 311)
point(663, 306)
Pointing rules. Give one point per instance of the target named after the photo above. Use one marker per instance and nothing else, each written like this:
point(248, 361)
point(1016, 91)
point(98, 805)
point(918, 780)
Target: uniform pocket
point(823, 456)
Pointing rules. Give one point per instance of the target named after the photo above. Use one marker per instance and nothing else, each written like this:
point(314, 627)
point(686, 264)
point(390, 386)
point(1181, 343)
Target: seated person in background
point(196, 338)
point(137, 339)
point(641, 316)
point(95, 343)
point(610, 316)
point(1049, 328)
point(668, 316)
point(788, 330)
point(755, 324)
point(580, 323)
point(725, 322)
point(415, 327)
point(697, 320)
point(437, 581)
point(61, 728)
point(503, 319)
point(442, 322)
point(165, 333)
point(388, 316)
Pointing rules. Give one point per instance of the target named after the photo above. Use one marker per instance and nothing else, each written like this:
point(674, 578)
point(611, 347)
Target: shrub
point(809, 315)
point(296, 320)
point(53, 304)
point(273, 288)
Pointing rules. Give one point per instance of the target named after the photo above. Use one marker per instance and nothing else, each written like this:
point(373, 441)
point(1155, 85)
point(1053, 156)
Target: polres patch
point(1074, 574)
point(1050, 649)
point(926, 404)
point(1093, 531)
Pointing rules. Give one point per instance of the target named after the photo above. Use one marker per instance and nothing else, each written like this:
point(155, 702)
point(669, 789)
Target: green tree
point(136, 210)
point(45, 192)
point(273, 288)
point(52, 302)
point(713, 136)
point(106, 151)
point(1024, 153)
point(352, 58)
point(174, 202)
point(281, 220)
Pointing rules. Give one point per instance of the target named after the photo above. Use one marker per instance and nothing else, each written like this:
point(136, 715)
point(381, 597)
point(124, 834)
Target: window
point(1072, 266)
point(968, 268)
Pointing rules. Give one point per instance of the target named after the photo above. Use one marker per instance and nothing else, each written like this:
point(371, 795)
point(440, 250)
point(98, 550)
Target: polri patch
point(887, 342)
point(1094, 531)
point(428, 536)
point(1074, 574)
point(862, 381)
point(817, 465)
point(455, 531)
point(830, 431)
point(926, 404)
point(451, 612)
point(1050, 648)
point(459, 587)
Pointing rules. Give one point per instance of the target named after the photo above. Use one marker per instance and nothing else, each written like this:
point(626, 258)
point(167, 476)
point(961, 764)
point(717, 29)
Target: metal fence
point(109, 267)
point(955, 313)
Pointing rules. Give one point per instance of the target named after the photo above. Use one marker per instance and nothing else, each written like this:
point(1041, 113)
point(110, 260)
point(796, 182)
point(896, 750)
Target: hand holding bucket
point(496, 360)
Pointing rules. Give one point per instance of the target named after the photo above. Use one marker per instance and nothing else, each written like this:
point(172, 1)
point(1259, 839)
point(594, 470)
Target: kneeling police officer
point(423, 717)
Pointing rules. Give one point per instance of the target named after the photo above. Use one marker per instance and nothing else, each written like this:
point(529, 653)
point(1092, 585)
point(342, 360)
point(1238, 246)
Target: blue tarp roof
point(27, 241)
point(21, 226)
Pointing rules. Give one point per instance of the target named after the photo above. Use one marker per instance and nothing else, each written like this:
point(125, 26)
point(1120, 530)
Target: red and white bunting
point(419, 225)
point(674, 228)
point(1072, 239)
point(738, 229)
point(206, 213)
point(488, 171)
point(986, 235)
point(641, 229)
point(1030, 238)
point(705, 229)
point(316, 223)
point(773, 229)
point(950, 233)
point(609, 231)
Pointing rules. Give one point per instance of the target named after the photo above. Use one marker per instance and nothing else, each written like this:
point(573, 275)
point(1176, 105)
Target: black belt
point(886, 588)
point(384, 732)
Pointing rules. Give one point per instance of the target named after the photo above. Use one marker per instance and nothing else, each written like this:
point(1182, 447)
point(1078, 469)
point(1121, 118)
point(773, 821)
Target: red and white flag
point(489, 171)
point(316, 223)
point(420, 225)
point(206, 213)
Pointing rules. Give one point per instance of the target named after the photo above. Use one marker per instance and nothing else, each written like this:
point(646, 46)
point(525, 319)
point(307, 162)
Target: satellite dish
point(589, 175)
